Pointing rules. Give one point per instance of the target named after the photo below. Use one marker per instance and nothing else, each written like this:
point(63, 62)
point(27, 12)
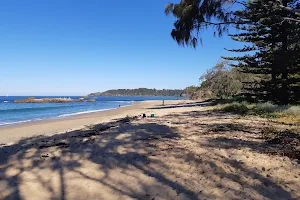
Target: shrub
point(286, 114)
point(269, 107)
point(293, 110)
point(235, 107)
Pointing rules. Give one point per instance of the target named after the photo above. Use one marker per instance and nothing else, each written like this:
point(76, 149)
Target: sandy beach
point(187, 151)
point(14, 133)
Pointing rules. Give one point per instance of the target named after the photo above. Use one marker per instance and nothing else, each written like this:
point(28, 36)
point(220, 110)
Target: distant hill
point(139, 92)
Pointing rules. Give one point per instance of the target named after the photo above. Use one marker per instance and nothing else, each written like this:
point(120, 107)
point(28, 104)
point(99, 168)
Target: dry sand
point(184, 152)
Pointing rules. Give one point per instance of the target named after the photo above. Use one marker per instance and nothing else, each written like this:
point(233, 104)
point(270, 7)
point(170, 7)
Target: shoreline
point(13, 133)
point(185, 148)
point(62, 116)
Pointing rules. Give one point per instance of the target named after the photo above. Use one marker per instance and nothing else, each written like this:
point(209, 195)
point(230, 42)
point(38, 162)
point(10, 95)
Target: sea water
point(14, 113)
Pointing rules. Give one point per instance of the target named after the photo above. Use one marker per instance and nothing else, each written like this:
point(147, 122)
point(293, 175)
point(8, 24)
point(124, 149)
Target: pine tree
point(194, 16)
point(273, 50)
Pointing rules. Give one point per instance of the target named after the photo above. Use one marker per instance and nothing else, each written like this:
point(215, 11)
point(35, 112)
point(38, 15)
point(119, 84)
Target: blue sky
point(74, 47)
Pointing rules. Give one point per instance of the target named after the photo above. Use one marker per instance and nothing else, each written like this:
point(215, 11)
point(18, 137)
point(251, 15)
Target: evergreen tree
point(274, 42)
point(270, 29)
point(194, 16)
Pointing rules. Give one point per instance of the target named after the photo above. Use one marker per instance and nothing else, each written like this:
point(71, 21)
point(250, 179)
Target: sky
point(75, 47)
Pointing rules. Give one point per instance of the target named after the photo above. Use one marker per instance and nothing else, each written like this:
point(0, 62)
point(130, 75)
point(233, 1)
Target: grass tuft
point(269, 107)
point(240, 108)
point(267, 110)
point(293, 110)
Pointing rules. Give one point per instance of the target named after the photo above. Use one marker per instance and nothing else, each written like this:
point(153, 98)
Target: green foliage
point(269, 107)
point(189, 91)
point(270, 110)
point(270, 31)
point(222, 81)
point(273, 50)
point(240, 108)
point(293, 110)
point(266, 110)
point(193, 16)
point(139, 92)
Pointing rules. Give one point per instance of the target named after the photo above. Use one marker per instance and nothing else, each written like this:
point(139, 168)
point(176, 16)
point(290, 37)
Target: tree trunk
point(284, 83)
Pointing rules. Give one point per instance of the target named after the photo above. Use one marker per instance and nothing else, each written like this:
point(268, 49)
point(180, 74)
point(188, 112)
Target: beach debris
point(59, 144)
point(102, 127)
point(125, 120)
point(2, 145)
point(44, 155)
point(91, 139)
point(288, 142)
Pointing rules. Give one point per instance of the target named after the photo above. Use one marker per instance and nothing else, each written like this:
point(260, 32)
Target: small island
point(51, 100)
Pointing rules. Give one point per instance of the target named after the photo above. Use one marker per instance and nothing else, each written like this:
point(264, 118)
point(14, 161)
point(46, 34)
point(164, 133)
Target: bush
point(289, 114)
point(269, 107)
point(235, 107)
point(221, 81)
point(269, 110)
point(293, 110)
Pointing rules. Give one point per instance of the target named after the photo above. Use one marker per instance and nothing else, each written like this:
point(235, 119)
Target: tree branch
point(290, 9)
point(291, 19)
point(220, 23)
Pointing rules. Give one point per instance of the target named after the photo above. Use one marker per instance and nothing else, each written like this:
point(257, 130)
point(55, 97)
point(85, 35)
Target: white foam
point(90, 111)
point(60, 116)
point(83, 112)
point(16, 122)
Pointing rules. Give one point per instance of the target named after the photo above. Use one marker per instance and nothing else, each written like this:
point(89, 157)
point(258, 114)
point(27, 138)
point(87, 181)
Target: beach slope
point(186, 151)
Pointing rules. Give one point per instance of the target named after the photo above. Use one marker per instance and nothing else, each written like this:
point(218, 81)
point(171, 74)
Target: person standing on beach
point(163, 102)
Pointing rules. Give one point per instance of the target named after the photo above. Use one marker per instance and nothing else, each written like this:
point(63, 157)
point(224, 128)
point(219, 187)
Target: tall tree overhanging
point(275, 46)
point(271, 28)
point(194, 16)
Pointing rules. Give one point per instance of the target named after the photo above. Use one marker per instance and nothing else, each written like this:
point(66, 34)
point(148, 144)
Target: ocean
point(15, 113)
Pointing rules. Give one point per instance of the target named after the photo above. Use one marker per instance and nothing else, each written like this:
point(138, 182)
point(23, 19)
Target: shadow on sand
point(125, 160)
point(190, 104)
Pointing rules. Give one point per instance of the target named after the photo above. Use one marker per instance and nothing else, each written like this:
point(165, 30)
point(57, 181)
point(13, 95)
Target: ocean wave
point(15, 122)
point(84, 112)
point(5, 101)
point(3, 123)
point(89, 111)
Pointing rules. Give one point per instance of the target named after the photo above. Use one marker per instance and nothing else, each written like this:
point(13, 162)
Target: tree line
point(139, 92)
point(270, 60)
